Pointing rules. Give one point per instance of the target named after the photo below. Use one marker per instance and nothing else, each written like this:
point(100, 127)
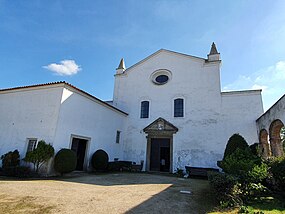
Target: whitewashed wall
point(241, 109)
point(210, 117)
point(55, 113)
point(83, 117)
point(28, 113)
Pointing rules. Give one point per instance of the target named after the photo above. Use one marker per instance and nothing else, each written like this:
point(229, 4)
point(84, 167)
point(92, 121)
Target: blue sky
point(84, 40)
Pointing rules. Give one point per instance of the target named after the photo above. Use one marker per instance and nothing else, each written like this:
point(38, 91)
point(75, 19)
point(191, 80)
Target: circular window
point(161, 76)
point(161, 79)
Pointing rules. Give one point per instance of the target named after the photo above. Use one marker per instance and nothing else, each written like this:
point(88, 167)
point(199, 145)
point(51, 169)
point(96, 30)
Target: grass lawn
point(267, 205)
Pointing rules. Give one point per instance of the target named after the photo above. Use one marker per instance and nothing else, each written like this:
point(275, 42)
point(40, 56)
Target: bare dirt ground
point(106, 193)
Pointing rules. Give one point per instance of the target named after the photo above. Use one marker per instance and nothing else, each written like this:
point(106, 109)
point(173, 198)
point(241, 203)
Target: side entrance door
point(79, 147)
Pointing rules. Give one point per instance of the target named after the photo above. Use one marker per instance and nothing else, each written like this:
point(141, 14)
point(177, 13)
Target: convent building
point(168, 111)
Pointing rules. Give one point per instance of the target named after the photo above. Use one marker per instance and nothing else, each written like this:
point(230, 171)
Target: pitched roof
point(159, 51)
point(65, 84)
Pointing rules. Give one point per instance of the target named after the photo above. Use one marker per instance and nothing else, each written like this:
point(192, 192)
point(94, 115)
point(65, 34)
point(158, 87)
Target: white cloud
point(64, 68)
point(271, 80)
point(256, 86)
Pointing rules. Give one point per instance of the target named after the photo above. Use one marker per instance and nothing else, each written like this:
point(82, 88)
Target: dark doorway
point(160, 154)
point(79, 147)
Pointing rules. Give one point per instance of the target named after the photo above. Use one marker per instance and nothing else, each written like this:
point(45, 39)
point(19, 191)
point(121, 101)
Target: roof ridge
point(157, 52)
point(68, 84)
point(34, 85)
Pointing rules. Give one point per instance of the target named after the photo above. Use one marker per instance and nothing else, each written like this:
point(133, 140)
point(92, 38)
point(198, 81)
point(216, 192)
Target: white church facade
point(168, 111)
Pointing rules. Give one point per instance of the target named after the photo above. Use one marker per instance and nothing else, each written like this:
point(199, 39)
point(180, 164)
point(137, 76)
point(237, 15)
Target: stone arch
point(264, 143)
point(275, 138)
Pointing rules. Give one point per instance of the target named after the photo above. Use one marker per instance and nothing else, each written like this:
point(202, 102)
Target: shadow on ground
point(119, 193)
point(170, 200)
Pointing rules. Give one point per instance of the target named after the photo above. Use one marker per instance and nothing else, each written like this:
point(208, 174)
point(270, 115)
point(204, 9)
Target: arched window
point(178, 107)
point(144, 109)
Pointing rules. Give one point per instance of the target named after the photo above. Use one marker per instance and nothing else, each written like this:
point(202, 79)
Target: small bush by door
point(100, 160)
point(65, 161)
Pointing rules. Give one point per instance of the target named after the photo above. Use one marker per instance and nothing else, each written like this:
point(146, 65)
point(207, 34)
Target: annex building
point(168, 111)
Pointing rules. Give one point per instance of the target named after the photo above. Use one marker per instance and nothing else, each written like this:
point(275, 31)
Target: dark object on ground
point(18, 171)
point(120, 166)
point(137, 167)
point(100, 160)
point(199, 171)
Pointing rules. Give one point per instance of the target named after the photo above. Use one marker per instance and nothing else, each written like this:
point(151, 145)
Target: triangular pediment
point(162, 52)
point(160, 125)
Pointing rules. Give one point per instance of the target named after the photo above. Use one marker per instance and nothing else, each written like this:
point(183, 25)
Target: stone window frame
point(118, 136)
point(159, 72)
point(173, 106)
point(149, 104)
point(30, 141)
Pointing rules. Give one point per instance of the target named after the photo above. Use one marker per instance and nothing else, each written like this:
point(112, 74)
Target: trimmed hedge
point(11, 166)
point(100, 160)
point(65, 161)
point(235, 141)
point(10, 163)
point(10, 159)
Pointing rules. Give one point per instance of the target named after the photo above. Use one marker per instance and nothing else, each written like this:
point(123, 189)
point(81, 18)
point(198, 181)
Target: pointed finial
point(213, 49)
point(122, 64)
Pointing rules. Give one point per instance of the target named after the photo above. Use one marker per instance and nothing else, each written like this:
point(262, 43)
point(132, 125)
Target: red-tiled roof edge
point(33, 86)
point(68, 84)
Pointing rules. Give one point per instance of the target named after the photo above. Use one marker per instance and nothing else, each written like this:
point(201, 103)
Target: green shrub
point(240, 162)
point(249, 173)
point(11, 166)
point(40, 155)
point(258, 173)
point(254, 148)
point(100, 160)
point(277, 168)
point(65, 161)
point(24, 172)
point(10, 161)
point(226, 188)
point(235, 141)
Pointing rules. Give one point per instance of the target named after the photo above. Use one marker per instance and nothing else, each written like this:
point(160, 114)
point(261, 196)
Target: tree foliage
point(235, 141)
point(244, 173)
point(10, 159)
point(240, 162)
point(277, 168)
point(40, 155)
